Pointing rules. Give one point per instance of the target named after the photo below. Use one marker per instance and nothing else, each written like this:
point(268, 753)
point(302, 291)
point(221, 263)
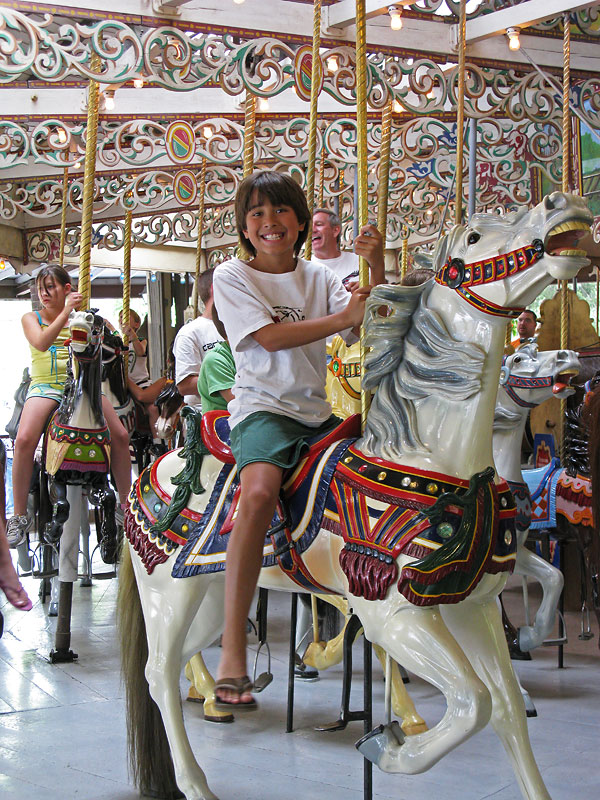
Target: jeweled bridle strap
point(460, 276)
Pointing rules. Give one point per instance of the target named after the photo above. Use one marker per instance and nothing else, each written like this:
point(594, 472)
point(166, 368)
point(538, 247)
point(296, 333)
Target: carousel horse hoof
point(305, 673)
point(239, 686)
point(53, 609)
point(378, 741)
point(109, 549)
point(194, 695)
point(52, 533)
point(225, 718)
point(85, 582)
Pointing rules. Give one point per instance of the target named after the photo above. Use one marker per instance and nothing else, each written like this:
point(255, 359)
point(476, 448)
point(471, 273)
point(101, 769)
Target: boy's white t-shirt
point(291, 381)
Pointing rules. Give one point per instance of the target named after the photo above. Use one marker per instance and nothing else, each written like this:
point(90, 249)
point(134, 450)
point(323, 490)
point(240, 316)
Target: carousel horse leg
point(60, 513)
point(165, 649)
point(551, 581)
point(477, 625)
point(402, 703)
point(84, 542)
point(420, 638)
point(67, 576)
point(202, 689)
point(323, 655)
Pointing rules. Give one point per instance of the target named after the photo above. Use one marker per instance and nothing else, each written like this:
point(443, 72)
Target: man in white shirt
point(193, 342)
point(326, 233)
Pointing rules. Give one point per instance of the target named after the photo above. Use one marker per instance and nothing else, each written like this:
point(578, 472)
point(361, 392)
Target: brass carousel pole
point(125, 315)
point(384, 168)
point(321, 197)
point(315, 81)
point(249, 131)
point(566, 143)
point(460, 112)
point(63, 217)
point(362, 168)
point(404, 262)
point(201, 190)
point(91, 134)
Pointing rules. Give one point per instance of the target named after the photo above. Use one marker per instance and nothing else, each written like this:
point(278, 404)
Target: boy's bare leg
point(260, 483)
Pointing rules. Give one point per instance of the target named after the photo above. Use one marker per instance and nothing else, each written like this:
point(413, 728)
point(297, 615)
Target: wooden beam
point(521, 16)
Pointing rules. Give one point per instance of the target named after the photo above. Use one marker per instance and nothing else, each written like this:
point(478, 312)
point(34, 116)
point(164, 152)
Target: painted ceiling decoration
point(147, 163)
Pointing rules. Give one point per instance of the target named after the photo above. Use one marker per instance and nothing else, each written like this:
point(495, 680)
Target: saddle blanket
point(542, 487)
point(293, 527)
point(553, 493)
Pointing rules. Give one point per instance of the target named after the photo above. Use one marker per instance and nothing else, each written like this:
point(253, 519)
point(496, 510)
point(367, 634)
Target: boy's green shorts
point(274, 439)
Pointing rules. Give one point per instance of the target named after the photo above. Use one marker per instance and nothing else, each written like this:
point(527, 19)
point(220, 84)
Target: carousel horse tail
point(150, 759)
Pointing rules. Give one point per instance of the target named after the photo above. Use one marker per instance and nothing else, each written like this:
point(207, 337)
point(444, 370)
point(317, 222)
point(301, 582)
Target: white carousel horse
point(528, 378)
point(420, 487)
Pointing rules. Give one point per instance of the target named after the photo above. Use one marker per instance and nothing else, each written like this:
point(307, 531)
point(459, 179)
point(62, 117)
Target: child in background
point(277, 310)
point(217, 373)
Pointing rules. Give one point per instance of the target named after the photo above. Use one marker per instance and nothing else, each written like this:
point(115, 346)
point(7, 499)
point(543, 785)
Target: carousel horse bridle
point(458, 276)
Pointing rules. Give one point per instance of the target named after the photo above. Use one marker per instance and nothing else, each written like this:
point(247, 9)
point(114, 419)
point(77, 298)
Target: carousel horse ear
point(504, 375)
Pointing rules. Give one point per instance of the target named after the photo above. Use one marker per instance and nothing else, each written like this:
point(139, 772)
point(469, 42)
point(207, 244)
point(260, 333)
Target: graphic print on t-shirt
point(287, 314)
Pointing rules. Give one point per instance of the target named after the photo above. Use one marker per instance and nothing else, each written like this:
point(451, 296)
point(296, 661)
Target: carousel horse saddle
point(297, 518)
point(215, 435)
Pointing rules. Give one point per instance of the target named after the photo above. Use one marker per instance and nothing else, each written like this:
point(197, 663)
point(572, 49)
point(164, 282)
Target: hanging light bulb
point(207, 131)
point(109, 99)
point(2, 263)
point(263, 104)
point(514, 42)
point(395, 13)
point(398, 109)
point(153, 277)
point(138, 83)
point(62, 135)
point(182, 278)
point(77, 165)
point(332, 63)
point(238, 2)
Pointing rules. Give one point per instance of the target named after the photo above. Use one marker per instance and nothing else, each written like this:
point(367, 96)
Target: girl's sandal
point(239, 686)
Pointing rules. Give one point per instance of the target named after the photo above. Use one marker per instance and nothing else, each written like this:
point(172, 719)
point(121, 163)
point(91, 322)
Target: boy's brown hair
point(280, 190)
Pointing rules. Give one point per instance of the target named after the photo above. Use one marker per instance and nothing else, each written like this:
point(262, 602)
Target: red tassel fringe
point(149, 553)
point(368, 577)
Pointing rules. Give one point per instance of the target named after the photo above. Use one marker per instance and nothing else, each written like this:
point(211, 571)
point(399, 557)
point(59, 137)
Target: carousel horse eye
point(473, 237)
point(89, 318)
point(517, 360)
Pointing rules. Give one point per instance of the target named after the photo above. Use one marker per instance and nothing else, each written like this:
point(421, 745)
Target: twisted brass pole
point(91, 135)
point(362, 167)
point(460, 112)
point(201, 190)
point(63, 217)
point(404, 263)
point(564, 296)
point(315, 80)
point(321, 198)
point(384, 168)
point(125, 315)
point(249, 131)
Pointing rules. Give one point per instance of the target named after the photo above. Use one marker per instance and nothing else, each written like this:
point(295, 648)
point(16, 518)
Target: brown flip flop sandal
point(238, 685)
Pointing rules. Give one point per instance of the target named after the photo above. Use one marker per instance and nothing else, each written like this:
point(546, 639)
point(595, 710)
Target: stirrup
point(264, 679)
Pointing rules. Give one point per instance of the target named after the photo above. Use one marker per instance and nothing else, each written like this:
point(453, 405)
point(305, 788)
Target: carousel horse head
point(169, 403)
point(86, 334)
point(510, 259)
point(529, 376)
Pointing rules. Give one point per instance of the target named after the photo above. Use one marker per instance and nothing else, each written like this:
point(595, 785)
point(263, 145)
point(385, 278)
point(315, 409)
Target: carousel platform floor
point(62, 728)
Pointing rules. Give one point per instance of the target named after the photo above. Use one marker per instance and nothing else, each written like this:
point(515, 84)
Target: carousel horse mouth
point(564, 238)
point(79, 335)
point(562, 383)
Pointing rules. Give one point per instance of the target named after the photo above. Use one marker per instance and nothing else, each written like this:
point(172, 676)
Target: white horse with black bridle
point(415, 499)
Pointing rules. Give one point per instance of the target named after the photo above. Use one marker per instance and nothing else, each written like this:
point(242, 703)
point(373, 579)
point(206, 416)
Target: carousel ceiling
point(174, 76)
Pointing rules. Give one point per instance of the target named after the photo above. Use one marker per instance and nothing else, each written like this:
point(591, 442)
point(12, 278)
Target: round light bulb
point(62, 135)
point(207, 132)
point(395, 17)
point(238, 2)
point(109, 99)
point(332, 64)
point(398, 107)
point(514, 43)
point(138, 83)
point(263, 104)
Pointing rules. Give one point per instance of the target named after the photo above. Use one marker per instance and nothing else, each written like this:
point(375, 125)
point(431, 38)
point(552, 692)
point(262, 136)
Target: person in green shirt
point(217, 373)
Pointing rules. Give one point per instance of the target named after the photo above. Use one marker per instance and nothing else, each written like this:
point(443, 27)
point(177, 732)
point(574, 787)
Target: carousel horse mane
point(412, 356)
point(112, 367)
point(505, 419)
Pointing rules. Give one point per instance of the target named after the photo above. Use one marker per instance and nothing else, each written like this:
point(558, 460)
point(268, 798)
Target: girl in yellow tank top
point(46, 333)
